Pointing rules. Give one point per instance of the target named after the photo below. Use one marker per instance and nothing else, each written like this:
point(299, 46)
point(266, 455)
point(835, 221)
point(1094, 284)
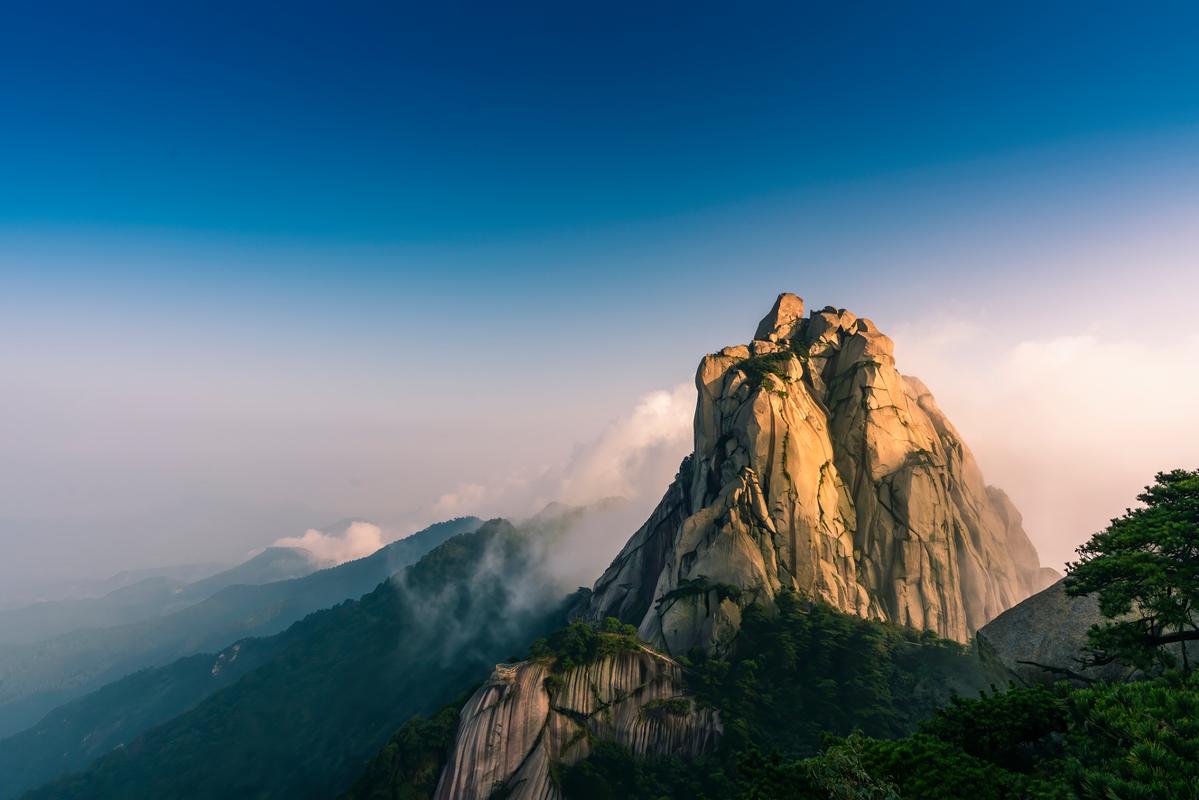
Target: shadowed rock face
point(819, 467)
point(514, 728)
point(1045, 634)
point(1044, 639)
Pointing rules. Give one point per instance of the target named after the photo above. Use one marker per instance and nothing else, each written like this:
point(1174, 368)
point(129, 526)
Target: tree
point(1145, 570)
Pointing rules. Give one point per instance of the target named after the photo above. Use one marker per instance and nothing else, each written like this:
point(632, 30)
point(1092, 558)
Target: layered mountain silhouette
point(300, 713)
point(829, 515)
point(149, 597)
point(37, 677)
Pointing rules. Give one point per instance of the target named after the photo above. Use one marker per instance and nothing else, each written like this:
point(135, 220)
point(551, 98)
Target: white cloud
point(634, 457)
point(328, 549)
point(1071, 425)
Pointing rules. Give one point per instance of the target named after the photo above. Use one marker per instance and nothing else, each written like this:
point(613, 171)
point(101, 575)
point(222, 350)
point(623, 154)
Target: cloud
point(1072, 424)
point(509, 588)
point(634, 457)
point(328, 549)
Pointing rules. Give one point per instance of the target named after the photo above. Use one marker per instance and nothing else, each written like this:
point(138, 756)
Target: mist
point(1070, 425)
point(633, 458)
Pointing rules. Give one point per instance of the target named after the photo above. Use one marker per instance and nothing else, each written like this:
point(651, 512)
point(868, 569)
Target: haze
point(258, 278)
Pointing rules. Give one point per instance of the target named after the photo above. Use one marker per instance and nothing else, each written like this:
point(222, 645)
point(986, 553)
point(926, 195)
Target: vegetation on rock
point(794, 679)
point(408, 766)
point(700, 585)
point(757, 369)
point(581, 643)
point(1134, 741)
point(1145, 570)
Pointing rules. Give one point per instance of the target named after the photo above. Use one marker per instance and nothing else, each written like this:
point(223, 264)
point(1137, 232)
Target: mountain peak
point(783, 319)
point(819, 468)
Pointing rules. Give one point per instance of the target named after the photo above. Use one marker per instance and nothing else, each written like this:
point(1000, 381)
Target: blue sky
point(342, 258)
point(388, 122)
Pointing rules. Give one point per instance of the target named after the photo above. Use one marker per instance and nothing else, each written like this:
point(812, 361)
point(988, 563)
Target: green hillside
point(72, 735)
point(338, 683)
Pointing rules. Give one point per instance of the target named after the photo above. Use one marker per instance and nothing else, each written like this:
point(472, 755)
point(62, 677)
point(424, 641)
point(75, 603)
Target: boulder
point(518, 725)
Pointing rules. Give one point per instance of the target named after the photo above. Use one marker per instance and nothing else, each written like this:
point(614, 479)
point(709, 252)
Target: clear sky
point(263, 266)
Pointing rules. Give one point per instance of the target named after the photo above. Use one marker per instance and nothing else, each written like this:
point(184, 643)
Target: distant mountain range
point(88, 588)
point(820, 564)
point(299, 714)
point(148, 597)
point(36, 677)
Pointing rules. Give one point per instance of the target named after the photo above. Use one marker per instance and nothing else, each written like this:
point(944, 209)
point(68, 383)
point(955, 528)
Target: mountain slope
point(339, 682)
point(829, 526)
point(34, 678)
point(819, 468)
point(632, 696)
point(147, 598)
point(73, 735)
point(607, 718)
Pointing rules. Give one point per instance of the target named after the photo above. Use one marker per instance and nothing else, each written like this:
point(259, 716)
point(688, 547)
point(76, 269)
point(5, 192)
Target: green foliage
point(757, 369)
point(1132, 741)
point(581, 643)
point(611, 773)
point(1127, 741)
point(76, 733)
point(666, 707)
point(408, 766)
point(1136, 741)
point(841, 775)
point(701, 586)
point(793, 676)
point(339, 683)
point(686, 470)
point(808, 669)
point(838, 775)
point(923, 766)
point(44, 675)
point(1012, 729)
point(1145, 566)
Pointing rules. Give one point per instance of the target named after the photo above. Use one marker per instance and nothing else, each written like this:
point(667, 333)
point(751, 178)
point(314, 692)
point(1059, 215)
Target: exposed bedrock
point(819, 467)
point(518, 724)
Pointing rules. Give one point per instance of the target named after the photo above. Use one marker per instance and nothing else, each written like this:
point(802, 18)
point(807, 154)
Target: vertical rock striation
point(818, 467)
point(517, 725)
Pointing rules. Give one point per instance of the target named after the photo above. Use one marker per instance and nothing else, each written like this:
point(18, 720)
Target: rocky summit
point(818, 467)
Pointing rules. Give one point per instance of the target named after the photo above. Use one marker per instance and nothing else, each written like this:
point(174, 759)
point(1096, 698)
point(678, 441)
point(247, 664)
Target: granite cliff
point(524, 720)
point(819, 467)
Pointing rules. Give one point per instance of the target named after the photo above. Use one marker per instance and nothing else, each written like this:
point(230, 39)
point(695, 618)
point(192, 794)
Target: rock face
point(819, 467)
point(517, 725)
point(1047, 629)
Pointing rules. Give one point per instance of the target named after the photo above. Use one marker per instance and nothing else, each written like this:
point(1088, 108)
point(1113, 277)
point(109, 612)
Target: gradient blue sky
point(264, 265)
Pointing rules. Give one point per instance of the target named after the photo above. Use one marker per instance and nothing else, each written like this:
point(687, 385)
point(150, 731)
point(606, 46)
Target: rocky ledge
point(526, 719)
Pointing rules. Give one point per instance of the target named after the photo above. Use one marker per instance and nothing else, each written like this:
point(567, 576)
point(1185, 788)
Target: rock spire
point(818, 467)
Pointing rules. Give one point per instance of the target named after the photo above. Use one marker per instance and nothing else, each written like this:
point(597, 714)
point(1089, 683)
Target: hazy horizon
point(399, 266)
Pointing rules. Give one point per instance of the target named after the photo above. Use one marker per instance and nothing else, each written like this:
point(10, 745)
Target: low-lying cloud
point(634, 457)
point(329, 548)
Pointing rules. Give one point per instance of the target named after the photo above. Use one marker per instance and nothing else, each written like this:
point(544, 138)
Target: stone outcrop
point(818, 467)
point(1044, 638)
point(519, 724)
